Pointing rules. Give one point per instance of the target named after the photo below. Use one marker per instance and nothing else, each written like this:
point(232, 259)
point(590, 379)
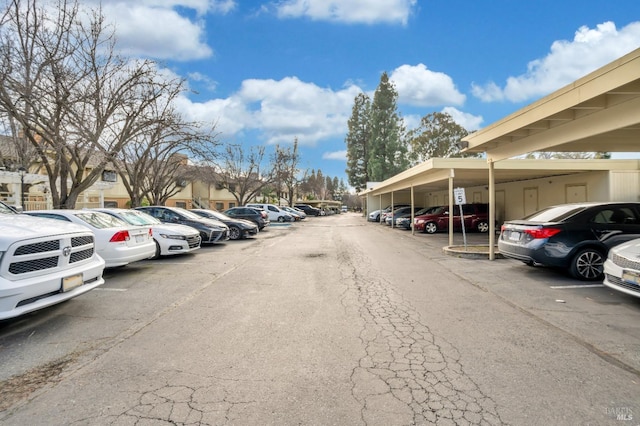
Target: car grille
point(620, 283)
point(81, 241)
point(33, 265)
point(80, 255)
point(40, 247)
point(193, 241)
point(625, 263)
point(49, 254)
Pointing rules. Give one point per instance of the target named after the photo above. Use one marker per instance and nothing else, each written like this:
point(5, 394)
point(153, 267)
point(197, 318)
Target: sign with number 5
point(459, 196)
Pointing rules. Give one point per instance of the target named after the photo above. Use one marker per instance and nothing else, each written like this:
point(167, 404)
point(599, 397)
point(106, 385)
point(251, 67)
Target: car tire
point(430, 228)
point(588, 265)
point(281, 219)
point(482, 226)
point(156, 255)
point(234, 233)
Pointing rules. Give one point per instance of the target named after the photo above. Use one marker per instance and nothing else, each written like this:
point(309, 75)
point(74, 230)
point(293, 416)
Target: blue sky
point(271, 71)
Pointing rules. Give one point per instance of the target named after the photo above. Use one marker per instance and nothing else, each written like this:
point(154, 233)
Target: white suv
point(276, 214)
point(43, 262)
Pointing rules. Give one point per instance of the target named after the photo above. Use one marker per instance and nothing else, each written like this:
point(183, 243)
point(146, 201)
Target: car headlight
point(173, 237)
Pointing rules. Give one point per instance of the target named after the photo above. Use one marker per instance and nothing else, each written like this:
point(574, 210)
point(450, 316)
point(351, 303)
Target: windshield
point(437, 210)
point(100, 220)
point(187, 213)
point(135, 217)
point(5, 209)
point(427, 210)
point(219, 215)
point(554, 214)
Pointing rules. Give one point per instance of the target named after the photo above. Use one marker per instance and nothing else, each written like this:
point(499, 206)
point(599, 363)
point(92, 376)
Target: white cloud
point(469, 121)
point(335, 155)
point(419, 86)
point(201, 7)
point(155, 28)
point(348, 11)
point(205, 80)
point(146, 31)
point(566, 62)
point(280, 110)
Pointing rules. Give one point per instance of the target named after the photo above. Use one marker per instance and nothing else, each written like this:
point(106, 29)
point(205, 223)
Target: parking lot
point(331, 321)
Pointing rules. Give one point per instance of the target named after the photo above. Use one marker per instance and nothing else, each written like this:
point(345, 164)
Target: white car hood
point(22, 227)
point(628, 249)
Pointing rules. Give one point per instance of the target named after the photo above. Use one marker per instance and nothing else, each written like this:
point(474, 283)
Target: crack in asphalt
point(182, 400)
point(408, 375)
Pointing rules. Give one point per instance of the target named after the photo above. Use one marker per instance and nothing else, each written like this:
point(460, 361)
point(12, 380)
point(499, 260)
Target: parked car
point(117, 242)
point(344, 209)
point(211, 231)
point(275, 213)
point(374, 216)
point(475, 215)
point(622, 268)
point(392, 219)
point(307, 209)
point(169, 238)
point(573, 237)
point(238, 228)
point(257, 216)
point(44, 262)
point(405, 220)
point(294, 212)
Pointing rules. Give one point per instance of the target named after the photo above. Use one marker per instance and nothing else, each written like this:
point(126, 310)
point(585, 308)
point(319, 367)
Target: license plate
point(631, 277)
point(514, 236)
point(69, 283)
point(139, 238)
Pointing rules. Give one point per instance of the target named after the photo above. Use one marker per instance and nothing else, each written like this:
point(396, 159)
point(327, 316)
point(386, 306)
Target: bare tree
point(153, 165)
point(285, 171)
point(74, 99)
point(242, 174)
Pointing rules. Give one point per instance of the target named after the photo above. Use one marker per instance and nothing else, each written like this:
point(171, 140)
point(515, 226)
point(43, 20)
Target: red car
point(475, 219)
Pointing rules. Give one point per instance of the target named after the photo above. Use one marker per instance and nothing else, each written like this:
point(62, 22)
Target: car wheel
point(234, 233)
point(281, 219)
point(430, 228)
point(588, 265)
point(482, 226)
point(157, 253)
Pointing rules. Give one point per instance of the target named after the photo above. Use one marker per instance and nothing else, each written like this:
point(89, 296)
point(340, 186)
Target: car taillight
point(120, 237)
point(150, 233)
point(542, 232)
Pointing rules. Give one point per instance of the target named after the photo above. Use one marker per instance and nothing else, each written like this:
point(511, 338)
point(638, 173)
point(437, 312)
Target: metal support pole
point(492, 211)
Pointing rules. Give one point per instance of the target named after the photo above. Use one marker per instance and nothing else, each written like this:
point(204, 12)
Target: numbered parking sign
point(459, 197)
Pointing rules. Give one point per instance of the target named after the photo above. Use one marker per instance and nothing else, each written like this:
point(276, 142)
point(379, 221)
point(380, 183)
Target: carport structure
point(597, 113)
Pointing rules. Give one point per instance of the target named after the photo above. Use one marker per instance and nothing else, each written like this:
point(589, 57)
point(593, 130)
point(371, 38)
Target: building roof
point(597, 113)
point(433, 174)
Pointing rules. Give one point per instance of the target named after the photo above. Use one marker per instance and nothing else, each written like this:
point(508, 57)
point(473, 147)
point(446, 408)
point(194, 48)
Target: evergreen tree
point(358, 140)
point(388, 147)
point(437, 136)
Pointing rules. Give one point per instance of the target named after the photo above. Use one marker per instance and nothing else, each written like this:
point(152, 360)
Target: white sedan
point(622, 268)
point(170, 238)
point(117, 242)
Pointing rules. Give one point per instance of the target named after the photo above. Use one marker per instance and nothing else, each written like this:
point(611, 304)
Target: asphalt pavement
point(332, 321)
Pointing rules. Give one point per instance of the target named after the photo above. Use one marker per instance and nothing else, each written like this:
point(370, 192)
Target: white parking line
point(577, 286)
point(109, 289)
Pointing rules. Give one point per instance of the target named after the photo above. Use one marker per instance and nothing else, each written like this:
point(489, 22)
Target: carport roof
point(597, 113)
point(433, 175)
